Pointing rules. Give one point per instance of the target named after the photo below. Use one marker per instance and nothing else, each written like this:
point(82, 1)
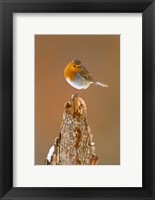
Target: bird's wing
point(86, 74)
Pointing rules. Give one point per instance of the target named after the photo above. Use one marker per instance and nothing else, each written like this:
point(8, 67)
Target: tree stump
point(74, 146)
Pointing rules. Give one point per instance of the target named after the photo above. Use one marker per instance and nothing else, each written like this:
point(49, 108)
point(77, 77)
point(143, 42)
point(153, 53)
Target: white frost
point(50, 153)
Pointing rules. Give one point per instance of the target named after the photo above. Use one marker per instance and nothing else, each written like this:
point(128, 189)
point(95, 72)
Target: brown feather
point(86, 74)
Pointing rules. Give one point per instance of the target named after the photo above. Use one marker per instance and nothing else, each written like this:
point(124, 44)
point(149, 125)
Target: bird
point(78, 76)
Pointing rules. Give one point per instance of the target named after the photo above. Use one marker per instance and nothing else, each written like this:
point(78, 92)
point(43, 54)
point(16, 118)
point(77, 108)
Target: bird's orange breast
point(70, 72)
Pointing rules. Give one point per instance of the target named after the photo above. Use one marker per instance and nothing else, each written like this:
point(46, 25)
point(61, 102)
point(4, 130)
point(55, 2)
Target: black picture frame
point(7, 8)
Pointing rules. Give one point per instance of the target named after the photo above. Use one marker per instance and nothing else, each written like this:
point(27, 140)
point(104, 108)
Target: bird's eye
point(76, 66)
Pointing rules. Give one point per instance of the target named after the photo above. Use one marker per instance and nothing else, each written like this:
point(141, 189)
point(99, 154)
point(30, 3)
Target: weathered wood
point(74, 146)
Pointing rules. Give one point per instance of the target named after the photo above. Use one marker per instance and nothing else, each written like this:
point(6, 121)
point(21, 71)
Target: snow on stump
point(74, 146)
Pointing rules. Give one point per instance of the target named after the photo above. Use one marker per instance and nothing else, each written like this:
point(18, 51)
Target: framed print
point(77, 98)
point(78, 143)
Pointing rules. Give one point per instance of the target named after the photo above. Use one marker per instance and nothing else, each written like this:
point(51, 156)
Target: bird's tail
point(101, 84)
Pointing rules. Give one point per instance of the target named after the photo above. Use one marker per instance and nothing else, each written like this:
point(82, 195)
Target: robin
point(77, 75)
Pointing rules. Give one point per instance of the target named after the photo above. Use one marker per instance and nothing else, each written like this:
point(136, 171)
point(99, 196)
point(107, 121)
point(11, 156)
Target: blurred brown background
point(101, 55)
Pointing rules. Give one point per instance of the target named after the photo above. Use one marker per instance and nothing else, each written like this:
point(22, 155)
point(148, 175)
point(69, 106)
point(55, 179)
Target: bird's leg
point(78, 92)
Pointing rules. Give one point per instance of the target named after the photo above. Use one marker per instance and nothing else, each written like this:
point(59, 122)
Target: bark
point(75, 145)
